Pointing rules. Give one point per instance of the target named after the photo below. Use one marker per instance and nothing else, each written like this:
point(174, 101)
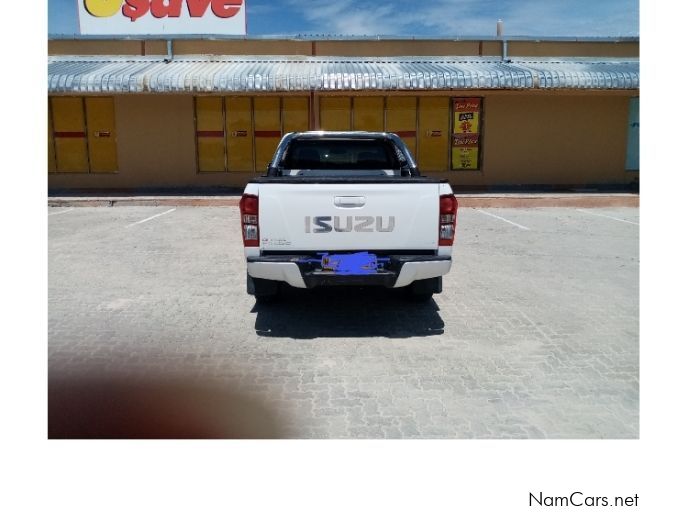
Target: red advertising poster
point(466, 133)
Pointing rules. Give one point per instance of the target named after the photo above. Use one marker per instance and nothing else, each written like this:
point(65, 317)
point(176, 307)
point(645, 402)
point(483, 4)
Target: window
point(355, 157)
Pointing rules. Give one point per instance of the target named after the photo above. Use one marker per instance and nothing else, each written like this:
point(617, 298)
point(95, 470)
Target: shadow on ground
point(104, 405)
point(346, 312)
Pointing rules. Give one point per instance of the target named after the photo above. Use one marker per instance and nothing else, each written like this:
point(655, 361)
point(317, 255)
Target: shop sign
point(162, 17)
point(466, 133)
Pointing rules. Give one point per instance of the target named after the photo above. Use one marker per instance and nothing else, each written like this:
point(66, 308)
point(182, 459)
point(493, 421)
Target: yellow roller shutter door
point(210, 134)
point(239, 134)
point(102, 134)
point(369, 114)
point(433, 137)
point(268, 129)
point(335, 113)
point(71, 153)
point(401, 119)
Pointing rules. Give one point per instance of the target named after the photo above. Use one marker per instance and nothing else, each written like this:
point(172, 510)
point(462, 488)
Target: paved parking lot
point(151, 334)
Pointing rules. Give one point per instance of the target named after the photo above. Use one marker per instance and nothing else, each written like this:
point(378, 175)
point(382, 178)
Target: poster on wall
point(466, 133)
point(161, 17)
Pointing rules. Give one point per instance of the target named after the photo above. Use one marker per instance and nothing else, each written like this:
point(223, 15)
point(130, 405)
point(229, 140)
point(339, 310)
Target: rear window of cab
point(376, 156)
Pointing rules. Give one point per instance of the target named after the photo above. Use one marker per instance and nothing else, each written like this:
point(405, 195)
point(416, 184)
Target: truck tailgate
point(348, 216)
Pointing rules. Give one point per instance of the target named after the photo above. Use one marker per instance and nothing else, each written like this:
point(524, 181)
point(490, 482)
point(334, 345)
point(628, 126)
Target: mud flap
point(261, 288)
point(426, 287)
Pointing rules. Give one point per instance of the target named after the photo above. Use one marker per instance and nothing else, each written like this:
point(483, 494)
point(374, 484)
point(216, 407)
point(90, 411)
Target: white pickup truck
point(346, 208)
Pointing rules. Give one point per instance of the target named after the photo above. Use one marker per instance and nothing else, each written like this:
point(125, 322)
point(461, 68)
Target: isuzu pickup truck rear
point(346, 208)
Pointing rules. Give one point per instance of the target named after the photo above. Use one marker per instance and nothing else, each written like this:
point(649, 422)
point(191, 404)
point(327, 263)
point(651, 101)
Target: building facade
point(200, 113)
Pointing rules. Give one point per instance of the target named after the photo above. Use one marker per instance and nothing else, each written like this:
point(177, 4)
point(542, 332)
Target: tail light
point(248, 206)
point(448, 208)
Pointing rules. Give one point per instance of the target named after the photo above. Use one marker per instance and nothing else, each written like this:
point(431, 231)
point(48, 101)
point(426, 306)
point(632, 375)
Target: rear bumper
point(402, 271)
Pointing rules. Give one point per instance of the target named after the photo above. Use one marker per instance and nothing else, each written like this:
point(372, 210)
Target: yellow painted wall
point(553, 139)
point(156, 146)
point(549, 138)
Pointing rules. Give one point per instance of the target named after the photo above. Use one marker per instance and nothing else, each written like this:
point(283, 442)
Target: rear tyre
point(423, 290)
point(262, 289)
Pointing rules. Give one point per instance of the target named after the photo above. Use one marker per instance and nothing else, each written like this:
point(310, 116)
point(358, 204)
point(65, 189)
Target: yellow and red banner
point(466, 133)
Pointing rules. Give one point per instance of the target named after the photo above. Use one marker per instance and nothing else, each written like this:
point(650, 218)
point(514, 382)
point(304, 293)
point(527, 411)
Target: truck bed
point(345, 180)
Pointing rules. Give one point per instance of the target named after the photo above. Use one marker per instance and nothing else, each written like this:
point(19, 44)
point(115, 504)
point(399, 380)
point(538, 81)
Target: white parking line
point(151, 218)
point(502, 218)
point(60, 212)
point(607, 216)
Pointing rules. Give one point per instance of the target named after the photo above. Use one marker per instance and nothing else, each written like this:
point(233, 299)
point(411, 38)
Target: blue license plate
point(350, 264)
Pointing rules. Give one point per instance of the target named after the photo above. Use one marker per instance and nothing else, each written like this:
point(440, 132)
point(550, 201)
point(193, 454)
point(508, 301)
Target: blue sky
point(418, 17)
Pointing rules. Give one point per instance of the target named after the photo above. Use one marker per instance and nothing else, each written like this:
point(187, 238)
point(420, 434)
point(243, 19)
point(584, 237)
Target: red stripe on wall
point(69, 134)
point(406, 134)
point(268, 134)
point(211, 134)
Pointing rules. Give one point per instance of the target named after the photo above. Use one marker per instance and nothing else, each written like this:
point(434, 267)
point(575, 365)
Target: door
point(401, 119)
point(268, 129)
point(52, 164)
point(369, 114)
point(71, 149)
point(210, 134)
point(239, 134)
point(633, 142)
point(335, 114)
point(295, 114)
point(433, 137)
point(102, 135)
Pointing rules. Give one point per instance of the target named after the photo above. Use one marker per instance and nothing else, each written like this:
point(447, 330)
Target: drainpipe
point(500, 34)
point(170, 53)
point(505, 58)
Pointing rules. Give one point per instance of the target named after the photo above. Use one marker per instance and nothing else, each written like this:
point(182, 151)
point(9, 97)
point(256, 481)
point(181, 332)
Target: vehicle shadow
point(346, 312)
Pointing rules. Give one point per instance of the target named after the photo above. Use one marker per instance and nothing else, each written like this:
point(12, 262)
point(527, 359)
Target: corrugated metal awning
point(207, 74)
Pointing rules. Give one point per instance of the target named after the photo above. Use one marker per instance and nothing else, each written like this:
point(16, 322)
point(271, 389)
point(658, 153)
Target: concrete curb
point(575, 200)
point(551, 201)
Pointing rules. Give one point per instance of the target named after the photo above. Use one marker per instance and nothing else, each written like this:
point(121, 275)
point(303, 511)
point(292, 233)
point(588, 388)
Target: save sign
point(164, 17)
